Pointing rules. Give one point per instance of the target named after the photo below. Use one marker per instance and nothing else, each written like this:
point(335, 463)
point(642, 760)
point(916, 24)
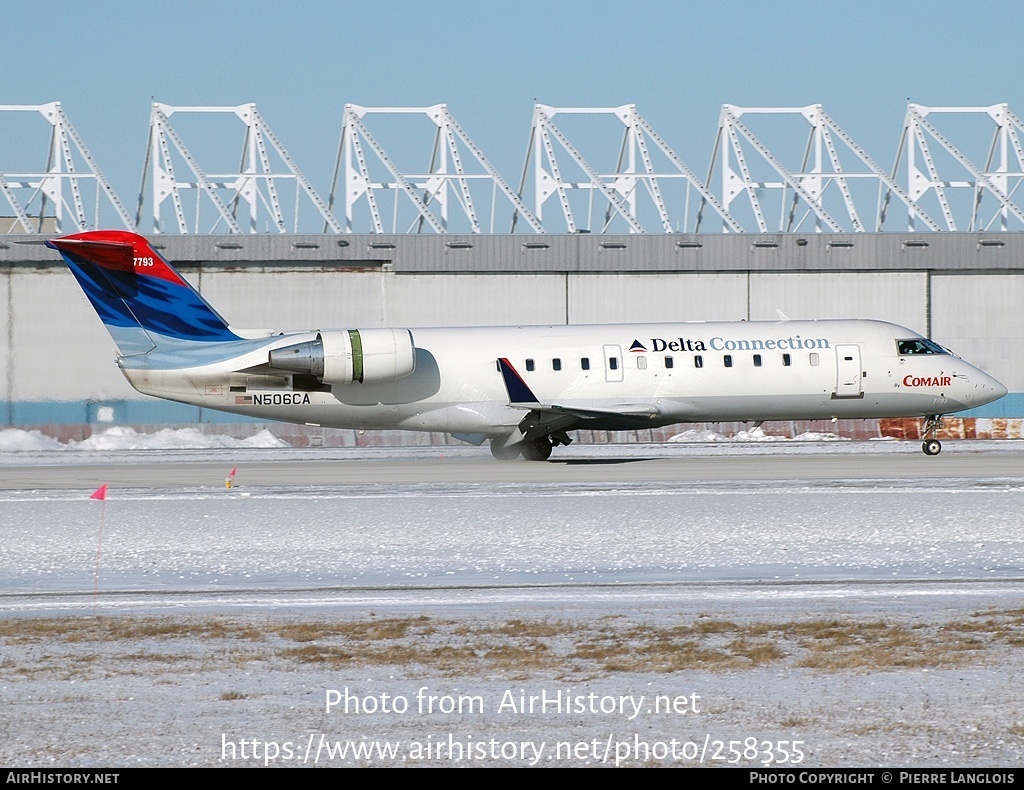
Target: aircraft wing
point(546, 418)
point(640, 411)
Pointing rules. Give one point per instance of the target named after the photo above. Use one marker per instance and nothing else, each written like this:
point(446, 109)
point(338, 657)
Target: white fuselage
point(683, 372)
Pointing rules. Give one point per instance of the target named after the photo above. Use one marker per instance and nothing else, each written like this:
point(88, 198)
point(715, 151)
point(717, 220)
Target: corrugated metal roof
point(586, 253)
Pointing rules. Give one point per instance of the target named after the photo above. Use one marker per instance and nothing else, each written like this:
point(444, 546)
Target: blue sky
point(678, 61)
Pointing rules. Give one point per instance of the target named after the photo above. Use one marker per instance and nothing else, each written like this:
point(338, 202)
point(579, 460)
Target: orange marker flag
point(101, 495)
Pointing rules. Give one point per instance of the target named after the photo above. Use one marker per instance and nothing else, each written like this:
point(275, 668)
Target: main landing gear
point(536, 449)
point(931, 445)
point(503, 453)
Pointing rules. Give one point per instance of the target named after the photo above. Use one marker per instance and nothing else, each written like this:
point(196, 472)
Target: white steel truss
point(61, 193)
point(817, 179)
point(256, 184)
point(618, 192)
point(456, 172)
point(991, 187)
point(822, 190)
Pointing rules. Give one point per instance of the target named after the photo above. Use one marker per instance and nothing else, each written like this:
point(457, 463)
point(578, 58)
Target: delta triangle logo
point(637, 346)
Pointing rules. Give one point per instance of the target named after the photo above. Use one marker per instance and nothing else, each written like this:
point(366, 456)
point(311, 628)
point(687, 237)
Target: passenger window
point(814, 359)
point(757, 360)
point(669, 362)
point(787, 360)
point(529, 364)
point(641, 363)
point(728, 360)
point(698, 361)
point(584, 363)
point(613, 363)
point(556, 364)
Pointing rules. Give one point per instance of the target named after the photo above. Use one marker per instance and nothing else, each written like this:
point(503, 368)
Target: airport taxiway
point(602, 464)
point(445, 526)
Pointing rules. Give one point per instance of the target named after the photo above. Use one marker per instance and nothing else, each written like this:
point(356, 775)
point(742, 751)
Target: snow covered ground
point(167, 626)
point(510, 534)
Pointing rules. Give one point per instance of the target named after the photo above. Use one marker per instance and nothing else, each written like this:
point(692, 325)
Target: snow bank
point(121, 438)
point(753, 435)
point(13, 440)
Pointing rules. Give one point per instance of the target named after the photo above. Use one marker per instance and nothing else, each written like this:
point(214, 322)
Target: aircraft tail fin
point(143, 302)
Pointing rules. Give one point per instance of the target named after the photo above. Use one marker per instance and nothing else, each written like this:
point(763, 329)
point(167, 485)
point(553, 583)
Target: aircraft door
point(848, 372)
point(613, 363)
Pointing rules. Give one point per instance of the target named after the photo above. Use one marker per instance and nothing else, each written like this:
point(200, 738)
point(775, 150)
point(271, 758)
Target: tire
point(537, 450)
point(503, 453)
point(931, 447)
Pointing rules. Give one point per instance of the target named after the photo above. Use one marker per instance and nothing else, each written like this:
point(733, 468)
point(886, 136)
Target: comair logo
point(927, 381)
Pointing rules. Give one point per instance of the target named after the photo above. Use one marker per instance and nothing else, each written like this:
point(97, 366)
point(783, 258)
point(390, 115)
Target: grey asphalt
point(470, 465)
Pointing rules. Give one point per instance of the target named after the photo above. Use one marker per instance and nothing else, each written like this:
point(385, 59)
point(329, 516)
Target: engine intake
point(343, 356)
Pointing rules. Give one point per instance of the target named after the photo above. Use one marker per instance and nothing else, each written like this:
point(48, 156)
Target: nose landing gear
point(931, 445)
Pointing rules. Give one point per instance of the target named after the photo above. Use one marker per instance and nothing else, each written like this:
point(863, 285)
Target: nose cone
point(987, 389)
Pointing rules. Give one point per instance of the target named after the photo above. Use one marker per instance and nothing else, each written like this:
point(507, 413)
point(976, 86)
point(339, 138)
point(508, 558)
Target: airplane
point(522, 388)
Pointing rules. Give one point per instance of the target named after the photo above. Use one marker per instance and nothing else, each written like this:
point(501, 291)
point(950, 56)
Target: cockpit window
point(918, 345)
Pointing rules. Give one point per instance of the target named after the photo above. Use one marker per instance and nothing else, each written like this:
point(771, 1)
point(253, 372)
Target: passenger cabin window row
point(728, 359)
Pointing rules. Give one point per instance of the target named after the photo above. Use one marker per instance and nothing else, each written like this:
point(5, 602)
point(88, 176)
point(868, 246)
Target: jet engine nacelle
point(342, 356)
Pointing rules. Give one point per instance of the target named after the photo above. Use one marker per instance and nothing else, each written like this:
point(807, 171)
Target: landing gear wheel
point(503, 453)
point(931, 445)
point(538, 449)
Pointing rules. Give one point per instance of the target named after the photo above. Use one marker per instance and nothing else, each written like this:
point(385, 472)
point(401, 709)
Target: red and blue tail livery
point(138, 296)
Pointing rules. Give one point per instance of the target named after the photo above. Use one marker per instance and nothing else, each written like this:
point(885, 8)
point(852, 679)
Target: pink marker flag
point(232, 472)
point(100, 493)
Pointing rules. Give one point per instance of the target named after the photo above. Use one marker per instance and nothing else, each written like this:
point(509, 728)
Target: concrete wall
point(983, 319)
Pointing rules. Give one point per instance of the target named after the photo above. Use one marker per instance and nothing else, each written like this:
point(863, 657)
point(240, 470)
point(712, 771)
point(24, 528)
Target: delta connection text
point(792, 343)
